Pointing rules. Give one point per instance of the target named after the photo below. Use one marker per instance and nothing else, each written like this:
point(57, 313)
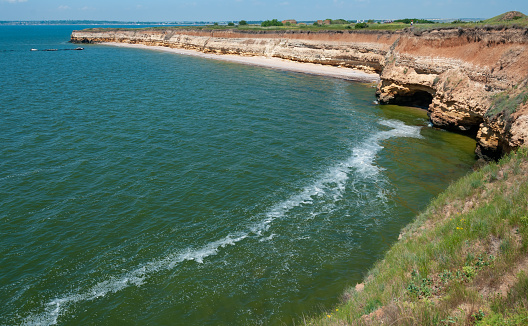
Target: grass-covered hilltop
point(463, 261)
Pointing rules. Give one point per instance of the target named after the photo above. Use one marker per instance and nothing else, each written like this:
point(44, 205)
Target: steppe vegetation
point(512, 19)
point(463, 261)
point(509, 19)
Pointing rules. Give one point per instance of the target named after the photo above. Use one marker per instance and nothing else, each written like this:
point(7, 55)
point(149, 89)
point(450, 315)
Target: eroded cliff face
point(364, 51)
point(456, 74)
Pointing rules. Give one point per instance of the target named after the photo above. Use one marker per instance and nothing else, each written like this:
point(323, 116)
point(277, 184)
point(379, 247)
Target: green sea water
point(147, 188)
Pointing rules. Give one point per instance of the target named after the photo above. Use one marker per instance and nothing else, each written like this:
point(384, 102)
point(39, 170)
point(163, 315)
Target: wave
point(330, 186)
point(42, 170)
point(333, 183)
point(57, 307)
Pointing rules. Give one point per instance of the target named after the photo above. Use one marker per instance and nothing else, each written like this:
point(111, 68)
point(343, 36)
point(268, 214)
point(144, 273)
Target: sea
point(140, 187)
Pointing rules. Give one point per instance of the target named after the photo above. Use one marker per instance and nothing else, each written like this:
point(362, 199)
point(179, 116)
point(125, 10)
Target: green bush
point(338, 21)
point(361, 25)
point(273, 22)
point(416, 21)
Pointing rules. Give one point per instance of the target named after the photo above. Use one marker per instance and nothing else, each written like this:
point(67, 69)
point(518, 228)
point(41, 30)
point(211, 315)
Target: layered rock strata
point(457, 74)
point(364, 51)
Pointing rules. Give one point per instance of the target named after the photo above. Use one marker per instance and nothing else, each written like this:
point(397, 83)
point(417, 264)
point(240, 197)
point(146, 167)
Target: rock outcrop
point(364, 51)
point(457, 74)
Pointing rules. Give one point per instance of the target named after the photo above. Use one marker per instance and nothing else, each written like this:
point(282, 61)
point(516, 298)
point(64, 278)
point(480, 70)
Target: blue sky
point(221, 10)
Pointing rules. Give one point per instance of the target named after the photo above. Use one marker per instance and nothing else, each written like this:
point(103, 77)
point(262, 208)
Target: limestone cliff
point(458, 74)
point(355, 50)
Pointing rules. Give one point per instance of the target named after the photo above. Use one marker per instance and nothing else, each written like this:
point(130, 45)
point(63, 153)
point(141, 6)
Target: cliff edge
point(471, 80)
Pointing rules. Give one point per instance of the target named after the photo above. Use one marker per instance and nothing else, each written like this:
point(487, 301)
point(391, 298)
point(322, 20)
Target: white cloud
point(64, 8)
point(14, 1)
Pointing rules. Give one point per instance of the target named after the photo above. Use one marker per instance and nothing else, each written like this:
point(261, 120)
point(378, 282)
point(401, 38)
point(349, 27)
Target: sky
point(235, 10)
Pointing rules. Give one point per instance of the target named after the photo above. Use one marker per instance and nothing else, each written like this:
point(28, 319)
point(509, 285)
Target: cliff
point(460, 75)
point(471, 80)
point(354, 50)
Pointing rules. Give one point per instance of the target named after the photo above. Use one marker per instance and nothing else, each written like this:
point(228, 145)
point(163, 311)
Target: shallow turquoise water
point(141, 187)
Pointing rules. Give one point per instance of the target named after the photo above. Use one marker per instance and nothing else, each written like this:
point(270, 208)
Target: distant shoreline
point(268, 62)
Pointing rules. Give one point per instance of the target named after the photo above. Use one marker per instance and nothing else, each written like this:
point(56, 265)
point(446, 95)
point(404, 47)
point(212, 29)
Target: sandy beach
point(269, 62)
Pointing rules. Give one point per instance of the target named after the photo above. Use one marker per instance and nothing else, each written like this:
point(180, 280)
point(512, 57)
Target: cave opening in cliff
point(420, 99)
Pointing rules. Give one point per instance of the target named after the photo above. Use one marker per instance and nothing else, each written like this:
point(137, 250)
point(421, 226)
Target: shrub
point(361, 25)
point(242, 23)
point(338, 21)
point(273, 22)
point(469, 272)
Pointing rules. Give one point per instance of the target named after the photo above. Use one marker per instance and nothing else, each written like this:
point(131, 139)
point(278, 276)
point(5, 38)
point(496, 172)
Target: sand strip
point(269, 62)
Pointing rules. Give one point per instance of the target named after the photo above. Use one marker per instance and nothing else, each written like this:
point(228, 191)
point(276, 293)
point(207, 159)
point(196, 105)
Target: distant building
point(319, 22)
point(291, 21)
point(327, 22)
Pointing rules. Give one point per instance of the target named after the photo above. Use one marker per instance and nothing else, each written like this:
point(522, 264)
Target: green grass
point(506, 20)
point(453, 259)
point(507, 17)
point(507, 102)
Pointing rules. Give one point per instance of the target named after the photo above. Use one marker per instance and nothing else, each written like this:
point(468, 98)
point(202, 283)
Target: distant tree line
point(273, 22)
point(415, 20)
point(338, 21)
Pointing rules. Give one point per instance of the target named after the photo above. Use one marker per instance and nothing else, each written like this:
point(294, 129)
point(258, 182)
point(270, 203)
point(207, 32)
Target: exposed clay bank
point(458, 74)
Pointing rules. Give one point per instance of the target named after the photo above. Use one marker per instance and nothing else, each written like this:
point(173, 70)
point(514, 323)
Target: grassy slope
point(508, 102)
point(507, 16)
point(464, 261)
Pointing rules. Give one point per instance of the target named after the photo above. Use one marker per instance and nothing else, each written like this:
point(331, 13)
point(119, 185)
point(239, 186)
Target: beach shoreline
point(268, 62)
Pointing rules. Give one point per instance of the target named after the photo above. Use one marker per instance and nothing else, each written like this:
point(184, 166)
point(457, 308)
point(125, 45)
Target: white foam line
point(330, 183)
point(57, 307)
point(333, 182)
